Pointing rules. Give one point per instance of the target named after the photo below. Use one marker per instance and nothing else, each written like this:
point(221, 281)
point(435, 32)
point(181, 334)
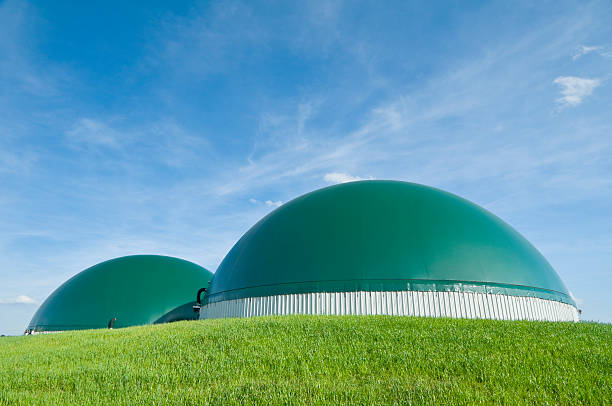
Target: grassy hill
point(306, 359)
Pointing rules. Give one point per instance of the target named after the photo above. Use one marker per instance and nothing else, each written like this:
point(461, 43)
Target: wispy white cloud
point(21, 299)
point(339, 177)
point(23, 72)
point(12, 162)
point(597, 49)
point(87, 131)
point(162, 141)
point(277, 203)
point(269, 203)
point(583, 50)
point(574, 89)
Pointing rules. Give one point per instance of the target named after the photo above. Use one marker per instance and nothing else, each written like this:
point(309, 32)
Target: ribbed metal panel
point(403, 303)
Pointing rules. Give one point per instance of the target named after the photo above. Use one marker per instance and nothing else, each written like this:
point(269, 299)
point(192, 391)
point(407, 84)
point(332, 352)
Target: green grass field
point(306, 359)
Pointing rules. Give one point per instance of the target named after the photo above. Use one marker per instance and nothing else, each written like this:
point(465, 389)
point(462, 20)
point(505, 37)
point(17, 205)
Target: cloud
point(94, 132)
point(23, 72)
point(21, 299)
point(575, 89)
point(339, 177)
point(270, 203)
point(278, 203)
point(599, 50)
point(162, 142)
point(15, 162)
point(583, 50)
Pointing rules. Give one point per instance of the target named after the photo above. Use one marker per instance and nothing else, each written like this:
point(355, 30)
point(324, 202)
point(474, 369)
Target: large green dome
point(383, 236)
point(135, 290)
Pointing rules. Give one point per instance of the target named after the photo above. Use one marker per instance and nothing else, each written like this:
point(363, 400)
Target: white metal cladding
point(403, 303)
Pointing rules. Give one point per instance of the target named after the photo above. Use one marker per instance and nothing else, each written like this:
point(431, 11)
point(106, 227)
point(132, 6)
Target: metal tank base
point(398, 303)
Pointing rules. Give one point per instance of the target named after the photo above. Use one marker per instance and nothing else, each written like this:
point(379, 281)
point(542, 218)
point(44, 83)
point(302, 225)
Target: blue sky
point(172, 128)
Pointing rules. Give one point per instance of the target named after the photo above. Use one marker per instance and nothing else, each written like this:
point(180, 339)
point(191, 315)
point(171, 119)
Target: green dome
point(139, 289)
point(383, 236)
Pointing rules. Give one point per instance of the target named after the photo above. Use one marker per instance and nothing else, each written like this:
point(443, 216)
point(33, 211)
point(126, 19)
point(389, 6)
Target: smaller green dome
point(133, 290)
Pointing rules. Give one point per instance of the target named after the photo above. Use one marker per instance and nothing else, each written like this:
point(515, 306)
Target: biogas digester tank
point(386, 247)
point(126, 291)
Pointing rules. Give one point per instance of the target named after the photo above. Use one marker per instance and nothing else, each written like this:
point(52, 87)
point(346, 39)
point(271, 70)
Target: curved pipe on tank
point(198, 305)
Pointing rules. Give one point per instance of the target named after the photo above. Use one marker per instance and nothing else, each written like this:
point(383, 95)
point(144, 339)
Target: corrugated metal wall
point(407, 303)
